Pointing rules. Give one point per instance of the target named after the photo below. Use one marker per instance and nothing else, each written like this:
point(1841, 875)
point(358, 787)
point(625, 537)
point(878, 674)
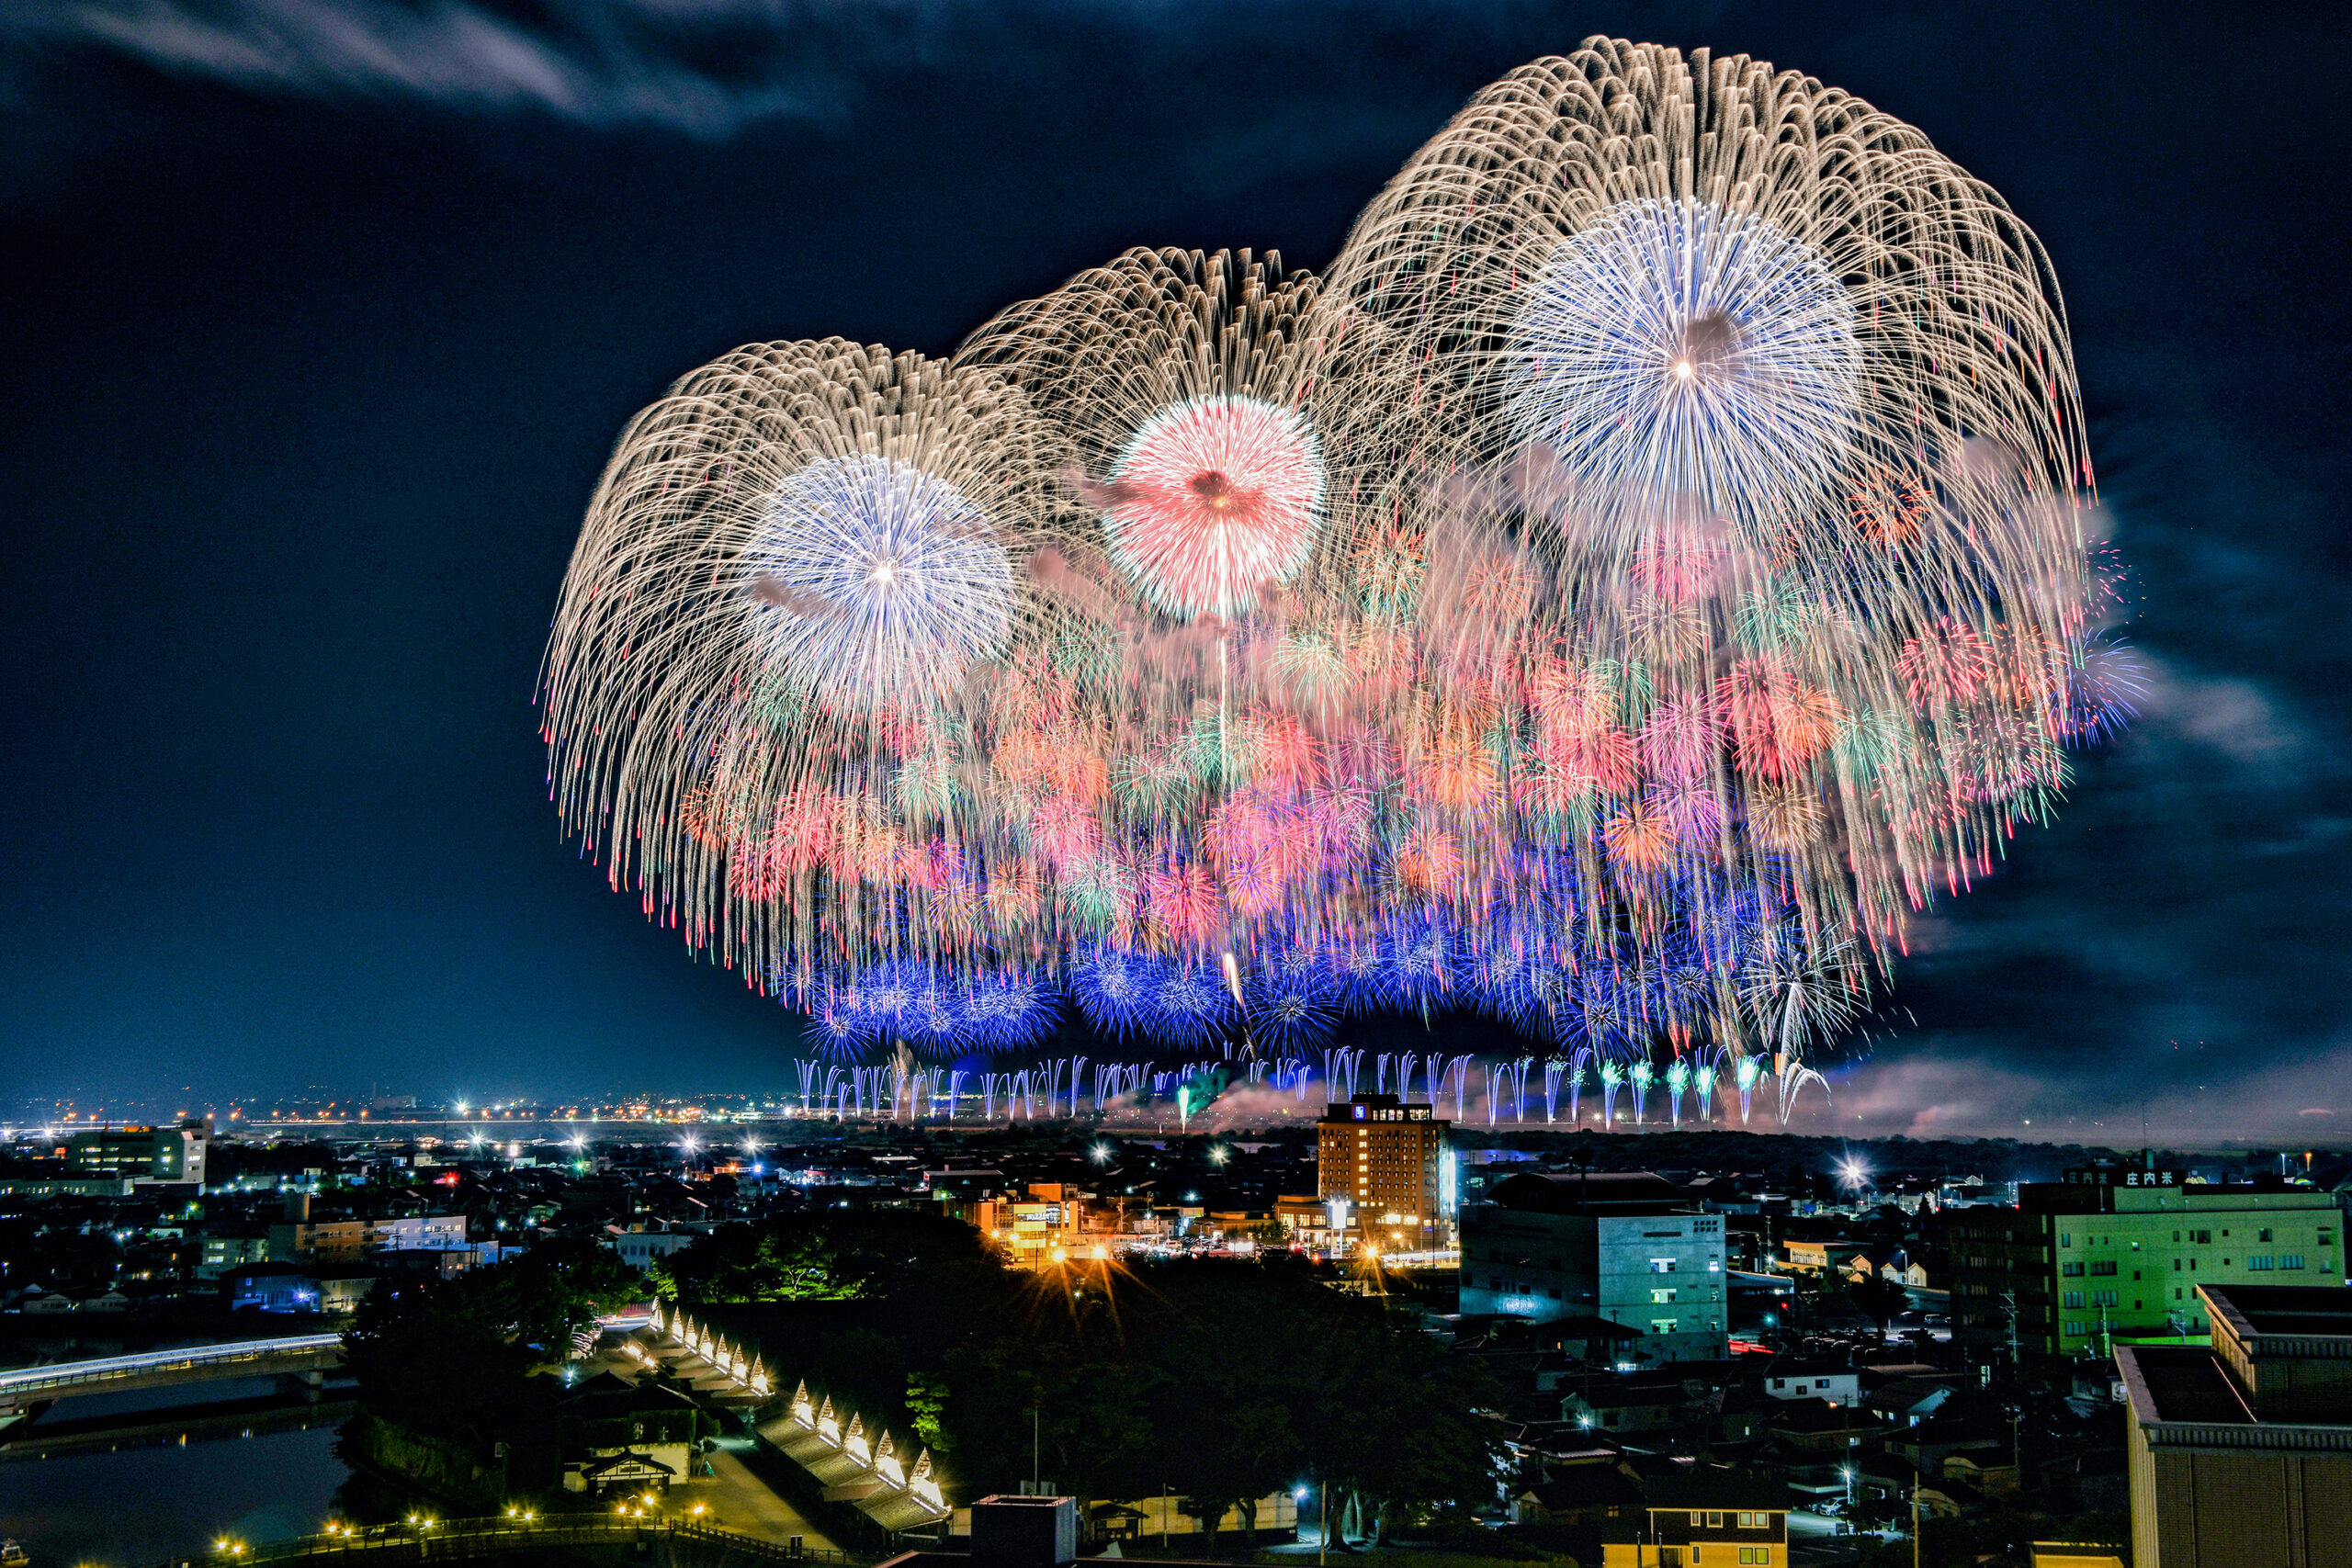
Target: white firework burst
point(1673, 348)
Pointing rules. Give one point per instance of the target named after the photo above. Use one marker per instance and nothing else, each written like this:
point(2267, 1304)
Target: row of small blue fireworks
point(1546, 980)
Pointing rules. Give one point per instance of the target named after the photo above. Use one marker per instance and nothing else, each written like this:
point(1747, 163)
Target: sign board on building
point(2130, 1176)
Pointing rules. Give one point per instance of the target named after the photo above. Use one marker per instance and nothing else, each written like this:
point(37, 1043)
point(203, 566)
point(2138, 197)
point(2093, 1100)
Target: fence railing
point(456, 1539)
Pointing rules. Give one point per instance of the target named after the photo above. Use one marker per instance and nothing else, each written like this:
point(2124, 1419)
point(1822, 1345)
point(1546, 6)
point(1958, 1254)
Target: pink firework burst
point(1213, 500)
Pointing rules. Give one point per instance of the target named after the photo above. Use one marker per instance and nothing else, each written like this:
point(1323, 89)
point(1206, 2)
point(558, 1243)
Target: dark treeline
point(1215, 1382)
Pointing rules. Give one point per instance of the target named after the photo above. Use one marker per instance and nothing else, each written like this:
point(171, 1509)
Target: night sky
point(322, 318)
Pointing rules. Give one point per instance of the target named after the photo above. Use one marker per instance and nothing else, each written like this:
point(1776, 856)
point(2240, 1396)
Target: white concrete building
point(1623, 1247)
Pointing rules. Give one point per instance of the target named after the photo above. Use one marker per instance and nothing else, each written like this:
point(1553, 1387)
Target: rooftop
point(2180, 1384)
point(1716, 1486)
point(2302, 1311)
point(1589, 1192)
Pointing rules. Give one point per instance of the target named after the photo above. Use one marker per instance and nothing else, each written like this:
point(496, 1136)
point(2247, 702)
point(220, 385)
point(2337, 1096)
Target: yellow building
point(1052, 1224)
point(1716, 1516)
point(1384, 1161)
point(2068, 1554)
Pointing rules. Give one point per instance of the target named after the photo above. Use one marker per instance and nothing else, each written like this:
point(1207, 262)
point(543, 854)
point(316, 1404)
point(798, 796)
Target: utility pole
point(1037, 1447)
point(1323, 1534)
point(1915, 1520)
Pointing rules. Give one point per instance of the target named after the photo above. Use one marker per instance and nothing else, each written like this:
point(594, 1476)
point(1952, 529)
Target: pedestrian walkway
point(738, 1500)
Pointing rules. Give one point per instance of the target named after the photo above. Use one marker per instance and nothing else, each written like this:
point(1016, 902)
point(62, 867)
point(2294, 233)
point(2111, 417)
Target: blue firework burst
point(1193, 1006)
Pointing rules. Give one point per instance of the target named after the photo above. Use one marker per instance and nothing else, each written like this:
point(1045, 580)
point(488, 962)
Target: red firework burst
point(1213, 500)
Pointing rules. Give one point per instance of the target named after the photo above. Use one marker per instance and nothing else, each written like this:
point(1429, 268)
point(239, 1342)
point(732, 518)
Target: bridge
point(159, 1368)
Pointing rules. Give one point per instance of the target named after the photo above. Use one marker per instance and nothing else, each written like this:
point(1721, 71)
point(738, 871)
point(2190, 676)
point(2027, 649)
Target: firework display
point(1644, 571)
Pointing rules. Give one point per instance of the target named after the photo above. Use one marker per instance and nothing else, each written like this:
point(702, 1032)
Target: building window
point(2070, 1270)
point(1661, 1265)
point(1762, 1554)
point(1662, 1296)
point(2065, 1238)
point(2104, 1267)
point(2258, 1265)
point(2074, 1298)
point(1662, 1326)
point(2262, 1234)
point(2290, 1260)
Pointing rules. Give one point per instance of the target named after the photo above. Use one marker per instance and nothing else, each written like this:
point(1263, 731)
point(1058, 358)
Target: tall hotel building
point(1387, 1162)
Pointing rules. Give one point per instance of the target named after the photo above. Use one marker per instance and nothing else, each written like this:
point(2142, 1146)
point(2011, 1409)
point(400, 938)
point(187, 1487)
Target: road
point(740, 1501)
point(1814, 1541)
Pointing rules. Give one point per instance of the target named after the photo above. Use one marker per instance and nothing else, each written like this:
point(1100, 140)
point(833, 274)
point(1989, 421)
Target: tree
point(822, 1254)
point(557, 1289)
point(1400, 1424)
point(453, 1357)
point(435, 1357)
point(1227, 1382)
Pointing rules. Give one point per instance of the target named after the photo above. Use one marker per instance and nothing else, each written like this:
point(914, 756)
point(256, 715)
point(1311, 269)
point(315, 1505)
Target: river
point(247, 1475)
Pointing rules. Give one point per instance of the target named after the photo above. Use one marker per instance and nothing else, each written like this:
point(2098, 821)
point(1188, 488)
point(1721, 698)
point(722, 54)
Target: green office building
point(2121, 1251)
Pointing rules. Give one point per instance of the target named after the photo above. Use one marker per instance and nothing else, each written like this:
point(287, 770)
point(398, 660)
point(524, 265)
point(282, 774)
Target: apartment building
point(1626, 1247)
point(2123, 1251)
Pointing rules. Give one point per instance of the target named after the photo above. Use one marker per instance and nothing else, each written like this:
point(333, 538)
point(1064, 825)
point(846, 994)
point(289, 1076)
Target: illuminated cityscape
point(984, 783)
